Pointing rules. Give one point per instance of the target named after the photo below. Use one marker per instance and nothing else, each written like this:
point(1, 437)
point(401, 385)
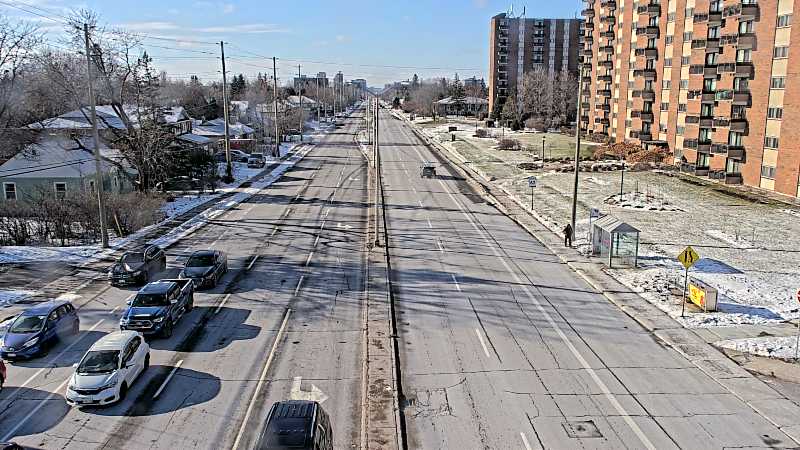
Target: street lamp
point(544, 138)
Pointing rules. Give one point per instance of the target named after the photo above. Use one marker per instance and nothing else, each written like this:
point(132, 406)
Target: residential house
point(470, 106)
point(241, 136)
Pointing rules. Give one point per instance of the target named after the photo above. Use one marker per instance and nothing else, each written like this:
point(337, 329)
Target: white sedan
point(107, 370)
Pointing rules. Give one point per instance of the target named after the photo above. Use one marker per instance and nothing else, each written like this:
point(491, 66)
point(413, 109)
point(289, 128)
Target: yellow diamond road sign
point(688, 257)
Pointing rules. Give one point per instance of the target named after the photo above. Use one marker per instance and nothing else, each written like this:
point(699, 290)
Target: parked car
point(2, 374)
point(205, 268)
point(296, 424)
point(10, 446)
point(236, 156)
point(136, 267)
point(256, 160)
point(158, 306)
point(180, 184)
point(38, 328)
point(108, 369)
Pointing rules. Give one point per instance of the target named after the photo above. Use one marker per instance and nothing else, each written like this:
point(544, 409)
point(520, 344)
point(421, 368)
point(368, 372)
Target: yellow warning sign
point(688, 257)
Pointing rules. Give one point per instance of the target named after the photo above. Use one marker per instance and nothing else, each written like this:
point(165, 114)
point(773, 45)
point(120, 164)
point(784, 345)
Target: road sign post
point(688, 257)
point(531, 184)
point(797, 342)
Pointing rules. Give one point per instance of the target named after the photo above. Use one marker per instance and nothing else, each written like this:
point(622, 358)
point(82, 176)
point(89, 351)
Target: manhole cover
point(582, 429)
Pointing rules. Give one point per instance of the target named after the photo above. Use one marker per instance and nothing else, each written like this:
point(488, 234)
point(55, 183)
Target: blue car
point(37, 329)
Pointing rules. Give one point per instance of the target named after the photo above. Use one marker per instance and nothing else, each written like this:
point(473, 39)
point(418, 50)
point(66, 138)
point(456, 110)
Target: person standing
point(567, 235)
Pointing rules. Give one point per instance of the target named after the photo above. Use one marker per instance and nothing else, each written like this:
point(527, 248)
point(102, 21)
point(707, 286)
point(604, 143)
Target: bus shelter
point(615, 241)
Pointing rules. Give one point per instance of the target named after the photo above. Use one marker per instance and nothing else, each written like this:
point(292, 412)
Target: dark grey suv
point(136, 267)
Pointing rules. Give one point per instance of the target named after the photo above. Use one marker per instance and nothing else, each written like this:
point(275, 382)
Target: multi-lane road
point(501, 345)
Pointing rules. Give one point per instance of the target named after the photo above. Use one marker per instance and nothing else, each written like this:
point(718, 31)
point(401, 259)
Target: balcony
point(698, 43)
point(719, 149)
point(589, 25)
point(588, 40)
point(610, 4)
point(710, 71)
point(585, 119)
point(724, 95)
point(749, 11)
point(649, 53)
point(690, 143)
point(604, 78)
point(721, 122)
point(608, 34)
point(610, 20)
point(739, 125)
point(604, 92)
point(648, 74)
point(604, 107)
point(696, 69)
point(607, 49)
point(726, 68)
point(587, 53)
point(602, 120)
point(708, 97)
point(744, 70)
point(703, 146)
point(706, 121)
point(691, 120)
point(645, 136)
point(650, 10)
point(648, 95)
point(741, 98)
point(736, 151)
point(733, 178)
point(714, 17)
point(646, 116)
point(712, 44)
point(607, 64)
point(588, 12)
point(649, 31)
point(729, 39)
point(746, 41)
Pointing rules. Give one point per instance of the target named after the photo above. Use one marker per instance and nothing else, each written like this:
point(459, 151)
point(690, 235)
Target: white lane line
point(169, 377)
point(217, 239)
point(252, 263)
point(222, 303)
point(308, 260)
point(430, 225)
point(316, 241)
point(577, 354)
point(299, 282)
point(483, 344)
point(261, 381)
point(525, 441)
point(35, 410)
point(458, 286)
point(439, 244)
point(420, 203)
point(274, 230)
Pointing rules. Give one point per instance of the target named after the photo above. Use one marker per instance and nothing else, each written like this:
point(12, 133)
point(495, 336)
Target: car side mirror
point(75, 366)
point(129, 302)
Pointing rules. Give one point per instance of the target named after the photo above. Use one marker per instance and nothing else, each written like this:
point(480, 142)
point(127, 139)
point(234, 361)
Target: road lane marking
point(261, 381)
point(299, 282)
point(525, 441)
point(250, 266)
point(420, 203)
point(274, 230)
point(217, 239)
point(577, 354)
point(316, 241)
point(430, 225)
point(35, 410)
point(483, 344)
point(458, 286)
point(439, 244)
point(222, 303)
point(308, 260)
point(169, 377)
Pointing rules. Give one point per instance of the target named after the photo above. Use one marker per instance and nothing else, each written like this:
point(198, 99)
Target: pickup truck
point(158, 306)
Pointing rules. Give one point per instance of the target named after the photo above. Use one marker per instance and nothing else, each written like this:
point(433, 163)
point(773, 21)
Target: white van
point(108, 369)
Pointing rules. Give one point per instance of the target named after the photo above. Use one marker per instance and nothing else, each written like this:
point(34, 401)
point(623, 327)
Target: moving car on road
point(296, 424)
point(108, 369)
point(158, 306)
point(205, 268)
point(256, 161)
point(136, 267)
point(39, 328)
point(428, 170)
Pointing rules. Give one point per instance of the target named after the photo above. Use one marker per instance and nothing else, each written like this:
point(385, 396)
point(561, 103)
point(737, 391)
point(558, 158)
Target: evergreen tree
point(458, 95)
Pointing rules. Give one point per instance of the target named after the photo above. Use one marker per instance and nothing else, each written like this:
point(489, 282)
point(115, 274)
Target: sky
point(359, 38)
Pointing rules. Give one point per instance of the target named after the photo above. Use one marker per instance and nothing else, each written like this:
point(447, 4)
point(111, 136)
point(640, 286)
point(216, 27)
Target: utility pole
point(96, 138)
point(319, 103)
point(277, 135)
point(228, 166)
point(577, 151)
point(300, 94)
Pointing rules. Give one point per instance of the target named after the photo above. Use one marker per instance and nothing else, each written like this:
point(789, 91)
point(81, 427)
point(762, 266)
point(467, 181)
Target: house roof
point(216, 128)
point(107, 118)
point(467, 100)
point(294, 100)
point(56, 156)
point(194, 138)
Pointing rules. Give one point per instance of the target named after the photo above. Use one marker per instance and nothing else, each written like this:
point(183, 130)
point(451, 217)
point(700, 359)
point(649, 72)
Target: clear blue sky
point(437, 38)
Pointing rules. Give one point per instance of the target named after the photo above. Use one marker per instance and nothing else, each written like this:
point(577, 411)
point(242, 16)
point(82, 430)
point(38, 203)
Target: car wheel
point(190, 304)
point(2, 381)
point(145, 277)
point(168, 329)
point(146, 362)
point(123, 391)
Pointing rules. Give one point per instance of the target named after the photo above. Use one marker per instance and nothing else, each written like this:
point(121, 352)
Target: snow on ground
point(734, 240)
point(782, 347)
point(13, 296)
point(792, 212)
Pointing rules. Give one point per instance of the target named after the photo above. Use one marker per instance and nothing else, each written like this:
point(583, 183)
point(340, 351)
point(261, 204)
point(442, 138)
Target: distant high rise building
point(338, 80)
point(518, 45)
point(711, 80)
point(309, 84)
point(360, 83)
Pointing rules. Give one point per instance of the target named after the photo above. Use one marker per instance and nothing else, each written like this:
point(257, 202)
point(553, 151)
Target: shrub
point(481, 133)
point(128, 213)
point(509, 144)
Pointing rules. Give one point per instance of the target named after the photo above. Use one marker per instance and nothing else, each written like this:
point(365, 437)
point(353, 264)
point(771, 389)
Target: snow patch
point(782, 347)
point(734, 240)
point(12, 296)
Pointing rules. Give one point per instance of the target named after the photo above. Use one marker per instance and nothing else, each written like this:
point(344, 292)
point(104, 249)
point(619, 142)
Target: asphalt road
point(294, 311)
point(504, 347)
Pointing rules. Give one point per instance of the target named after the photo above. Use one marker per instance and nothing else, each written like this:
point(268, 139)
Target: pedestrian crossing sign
point(688, 257)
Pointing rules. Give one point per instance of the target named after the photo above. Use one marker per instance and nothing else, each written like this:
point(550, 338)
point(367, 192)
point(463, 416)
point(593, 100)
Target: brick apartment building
point(712, 80)
point(518, 45)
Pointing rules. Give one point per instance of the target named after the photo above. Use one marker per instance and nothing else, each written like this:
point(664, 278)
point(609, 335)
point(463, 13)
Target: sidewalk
point(782, 411)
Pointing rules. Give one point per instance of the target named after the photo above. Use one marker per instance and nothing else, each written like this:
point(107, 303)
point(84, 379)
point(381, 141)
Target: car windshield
point(132, 258)
point(103, 361)
point(150, 300)
point(200, 261)
point(27, 324)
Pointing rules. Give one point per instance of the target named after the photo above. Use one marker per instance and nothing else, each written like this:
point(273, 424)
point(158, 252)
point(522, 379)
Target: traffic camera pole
point(228, 166)
point(96, 138)
point(577, 152)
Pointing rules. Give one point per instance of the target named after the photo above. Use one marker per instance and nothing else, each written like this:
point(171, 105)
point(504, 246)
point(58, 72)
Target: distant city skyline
point(380, 43)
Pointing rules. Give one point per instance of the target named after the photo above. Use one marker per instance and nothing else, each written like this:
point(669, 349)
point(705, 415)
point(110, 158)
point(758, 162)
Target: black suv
point(296, 424)
point(136, 267)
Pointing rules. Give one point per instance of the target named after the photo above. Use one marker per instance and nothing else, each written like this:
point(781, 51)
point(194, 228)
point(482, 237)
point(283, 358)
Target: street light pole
point(577, 150)
point(277, 130)
point(96, 139)
point(227, 142)
point(300, 95)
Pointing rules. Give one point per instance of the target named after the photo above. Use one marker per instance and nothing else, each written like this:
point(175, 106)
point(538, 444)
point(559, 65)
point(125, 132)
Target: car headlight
point(123, 321)
point(137, 273)
point(31, 342)
point(110, 384)
point(158, 319)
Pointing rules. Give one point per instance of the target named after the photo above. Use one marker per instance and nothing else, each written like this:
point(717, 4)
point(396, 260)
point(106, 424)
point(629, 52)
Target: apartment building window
point(784, 20)
point(668, 62)
point(665, 106)
point(768, 172)
point(705, 135)
point(771, 142)
point(684, 84)
point(715, 6)
point(662, 127)
point(738, 112)
point(746, 27)
point(744, 56)
point(707, 110)
point(735, 139)
point(628, 123)
point(629, 104)
point(711, 59)
point(741, 84)
point(703, 160)
point(665, 84)
point(774, 113)
point(685, 60)
point(10, 191)
point(61, 189)
point(687, 36)
point(780, 52)
point(689, 13)
point(671, 17)
point(682, 107)
point(668, 40)
point(709, 84)
point(778, 83)
point(680, 130)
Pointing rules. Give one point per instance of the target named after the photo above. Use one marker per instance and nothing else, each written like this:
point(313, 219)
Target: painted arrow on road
point(315, 394)
point(346, 227)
